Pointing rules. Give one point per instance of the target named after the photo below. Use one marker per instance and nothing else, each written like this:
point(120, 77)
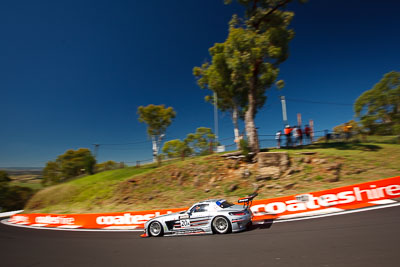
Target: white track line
point(120, 227)
point(66, 229)
point(10, 213)
point(383, 201)
point(69, 226)
point(275, 221)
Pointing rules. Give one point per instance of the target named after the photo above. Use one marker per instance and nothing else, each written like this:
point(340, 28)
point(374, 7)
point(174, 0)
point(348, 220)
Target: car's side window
point(200, 208)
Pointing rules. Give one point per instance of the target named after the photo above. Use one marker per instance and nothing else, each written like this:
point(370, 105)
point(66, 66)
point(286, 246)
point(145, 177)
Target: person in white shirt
point(278, 138)
point(295, 136)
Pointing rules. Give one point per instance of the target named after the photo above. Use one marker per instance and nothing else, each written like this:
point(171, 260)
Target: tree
point(253, 51)
point(107, 165)
point(16, 197)
point(379, 107)
point(201, 141)
point(4, 178)
point(217, 78)
point(70, 164)
point(157, 118)
point(12, 197)
point(355, 128)
point(76, 162)
point(176, 148)
point(52, 173)
point(4, 186)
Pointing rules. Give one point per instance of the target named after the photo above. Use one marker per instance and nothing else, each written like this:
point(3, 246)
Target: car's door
point(199, 216)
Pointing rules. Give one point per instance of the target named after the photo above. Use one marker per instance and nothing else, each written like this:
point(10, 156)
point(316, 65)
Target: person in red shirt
point(288, 133)
point(307, 132)
point(299, 136)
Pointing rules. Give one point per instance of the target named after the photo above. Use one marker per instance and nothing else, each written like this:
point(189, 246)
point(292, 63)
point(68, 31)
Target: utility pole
point(284, 114)
point(299, 119)
point(96, 150)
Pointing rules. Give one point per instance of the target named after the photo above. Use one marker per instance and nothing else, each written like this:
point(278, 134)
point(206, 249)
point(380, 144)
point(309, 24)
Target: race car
point(205, 217)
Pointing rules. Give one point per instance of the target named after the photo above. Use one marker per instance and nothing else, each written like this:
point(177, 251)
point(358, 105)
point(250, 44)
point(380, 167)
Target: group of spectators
point(345, 134)
point(294, 136)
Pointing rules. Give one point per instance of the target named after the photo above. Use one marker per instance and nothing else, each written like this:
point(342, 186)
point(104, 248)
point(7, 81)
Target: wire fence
point(266, 141)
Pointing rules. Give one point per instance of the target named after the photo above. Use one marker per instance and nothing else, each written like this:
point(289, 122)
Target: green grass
point(34, 186)
point(32, 181)
point(83, 193)
point(180, 183)
point(389, 139)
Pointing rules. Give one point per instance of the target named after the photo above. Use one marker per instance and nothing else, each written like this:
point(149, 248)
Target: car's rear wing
point(247, 200)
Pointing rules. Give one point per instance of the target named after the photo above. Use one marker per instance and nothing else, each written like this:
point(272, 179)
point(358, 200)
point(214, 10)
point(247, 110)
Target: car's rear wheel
point(155, 229)
point(221, 225)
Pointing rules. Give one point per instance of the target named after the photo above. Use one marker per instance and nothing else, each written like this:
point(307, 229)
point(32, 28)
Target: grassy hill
point(178, 184)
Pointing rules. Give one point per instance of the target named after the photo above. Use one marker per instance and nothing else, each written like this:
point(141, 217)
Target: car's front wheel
point(155, 229)
point(221, 225)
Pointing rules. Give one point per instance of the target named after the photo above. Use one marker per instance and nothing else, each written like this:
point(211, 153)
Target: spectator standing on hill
point(288, 132)
point(278, 136)
point(347, 131)
point(295, 136)
point(300, 136)
point(327, 136)
point(307, 131)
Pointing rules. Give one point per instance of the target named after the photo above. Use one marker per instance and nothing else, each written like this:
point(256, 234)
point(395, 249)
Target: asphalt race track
point(368, 238)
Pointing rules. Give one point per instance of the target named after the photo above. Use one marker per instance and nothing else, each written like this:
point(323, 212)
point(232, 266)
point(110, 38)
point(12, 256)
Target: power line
point(123, 149)
point(318, 102)
point(124, 144)
point(130, 143)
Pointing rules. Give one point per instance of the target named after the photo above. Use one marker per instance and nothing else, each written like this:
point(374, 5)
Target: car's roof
point(210, 201)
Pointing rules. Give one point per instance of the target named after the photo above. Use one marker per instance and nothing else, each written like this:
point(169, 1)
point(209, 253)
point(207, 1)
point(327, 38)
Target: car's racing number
point(185, 223)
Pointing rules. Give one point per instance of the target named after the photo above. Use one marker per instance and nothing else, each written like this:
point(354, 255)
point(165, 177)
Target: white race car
point(205, 217)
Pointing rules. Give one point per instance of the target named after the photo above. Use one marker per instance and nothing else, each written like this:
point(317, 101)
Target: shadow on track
point(265, 224)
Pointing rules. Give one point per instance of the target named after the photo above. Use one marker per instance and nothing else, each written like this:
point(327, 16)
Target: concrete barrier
point(321, 202)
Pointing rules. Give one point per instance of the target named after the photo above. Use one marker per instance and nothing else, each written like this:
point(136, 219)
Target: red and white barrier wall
point(326, 201)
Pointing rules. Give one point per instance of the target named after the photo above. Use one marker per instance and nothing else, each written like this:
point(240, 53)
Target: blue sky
point(72, 73)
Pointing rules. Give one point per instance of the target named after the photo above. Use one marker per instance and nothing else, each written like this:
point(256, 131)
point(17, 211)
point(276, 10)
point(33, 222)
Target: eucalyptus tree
point(201, 142)
point(250, 57)
point(68, 165)
point(217, 78)
point(379, 107)
point(177, 148)
point(255, 47)
point(4, 185)
point(157, 118)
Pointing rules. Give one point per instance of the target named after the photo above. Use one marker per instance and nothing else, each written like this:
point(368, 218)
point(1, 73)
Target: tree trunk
point(156, 140)
point(235, 117)
point(154, 148)
point(251, 130)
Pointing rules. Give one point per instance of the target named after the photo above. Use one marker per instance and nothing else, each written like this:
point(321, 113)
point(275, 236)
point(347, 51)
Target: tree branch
point(257, 24)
